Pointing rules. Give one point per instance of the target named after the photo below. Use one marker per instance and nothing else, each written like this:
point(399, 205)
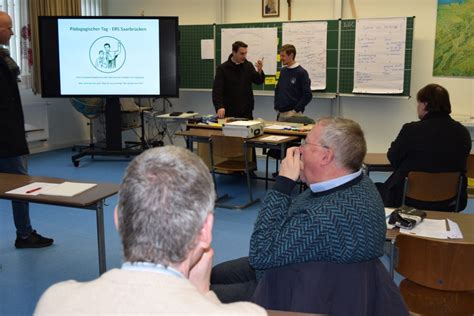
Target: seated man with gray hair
point(164, 217)
point(339, 219)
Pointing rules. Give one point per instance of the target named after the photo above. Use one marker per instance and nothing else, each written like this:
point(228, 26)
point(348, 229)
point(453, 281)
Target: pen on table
point(33, 190)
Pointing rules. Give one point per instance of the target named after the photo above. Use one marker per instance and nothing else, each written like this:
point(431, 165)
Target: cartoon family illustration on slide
point(108, 58)
point(106, 54)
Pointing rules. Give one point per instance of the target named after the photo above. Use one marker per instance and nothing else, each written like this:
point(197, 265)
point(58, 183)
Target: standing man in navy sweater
point(13, 146)
point(293, 90)
point(232, 93)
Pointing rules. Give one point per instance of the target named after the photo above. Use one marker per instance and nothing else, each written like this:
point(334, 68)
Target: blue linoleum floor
point(25, 274)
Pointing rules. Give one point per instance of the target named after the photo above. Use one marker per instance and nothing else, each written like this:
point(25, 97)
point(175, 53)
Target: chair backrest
point(303, 119)
point(228, 147)
point(433, 187)
point(437, 264)
point(470, 166)
point(331, 288)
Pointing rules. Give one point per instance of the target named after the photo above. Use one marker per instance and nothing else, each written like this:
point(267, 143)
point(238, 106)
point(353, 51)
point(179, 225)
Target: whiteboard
point(310, 41)
point(262, 44)
point(379, 55)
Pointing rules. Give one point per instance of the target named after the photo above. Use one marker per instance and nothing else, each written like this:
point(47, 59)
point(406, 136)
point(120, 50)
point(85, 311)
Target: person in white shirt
point(164, 217)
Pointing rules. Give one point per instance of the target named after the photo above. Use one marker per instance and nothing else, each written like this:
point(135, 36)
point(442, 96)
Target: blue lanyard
point(151, 267)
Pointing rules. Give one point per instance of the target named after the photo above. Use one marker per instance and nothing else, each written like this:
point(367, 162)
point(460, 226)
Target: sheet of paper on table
point(432, 228)
point(273, 138)
point(454, 230)
point(280, 127)
point(34, 188)
point(69, 189)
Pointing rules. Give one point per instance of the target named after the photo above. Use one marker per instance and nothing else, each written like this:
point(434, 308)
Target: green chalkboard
point(246, 25)
point(332, 49)
point(195, 73)
point(331, 56)
point(346, 81)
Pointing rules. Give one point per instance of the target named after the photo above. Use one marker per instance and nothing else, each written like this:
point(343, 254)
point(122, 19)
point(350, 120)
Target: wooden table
point(373, 161)
point(465, 222)
point(169, 125)
point(198, 135)
point(266, 143)
point(92, 199)
point(301, 133)
point(377, 162)
point(203, 135)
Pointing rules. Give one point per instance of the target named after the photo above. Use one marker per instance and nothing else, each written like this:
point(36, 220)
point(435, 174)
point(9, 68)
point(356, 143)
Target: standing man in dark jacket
point(293, 90)
point(435, 143)
point(13, 146)
point(232, 93)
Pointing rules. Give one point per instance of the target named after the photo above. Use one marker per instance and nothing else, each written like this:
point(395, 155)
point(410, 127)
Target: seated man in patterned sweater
point(339, 218)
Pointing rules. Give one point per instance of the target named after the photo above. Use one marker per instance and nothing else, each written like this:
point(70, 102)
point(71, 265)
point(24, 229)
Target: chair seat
point(234, 165)
point(426, 301)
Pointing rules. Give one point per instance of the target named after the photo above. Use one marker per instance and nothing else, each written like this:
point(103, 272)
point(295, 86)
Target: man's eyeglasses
point(304, 142)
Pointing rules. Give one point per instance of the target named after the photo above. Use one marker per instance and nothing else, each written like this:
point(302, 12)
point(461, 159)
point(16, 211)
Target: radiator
point(36, 121)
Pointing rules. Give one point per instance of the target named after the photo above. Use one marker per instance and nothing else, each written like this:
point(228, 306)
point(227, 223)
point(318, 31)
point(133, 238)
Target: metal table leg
point(100, 236)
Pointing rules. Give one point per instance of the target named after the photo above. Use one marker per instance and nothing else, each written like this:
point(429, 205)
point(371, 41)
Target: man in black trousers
point(13, 146)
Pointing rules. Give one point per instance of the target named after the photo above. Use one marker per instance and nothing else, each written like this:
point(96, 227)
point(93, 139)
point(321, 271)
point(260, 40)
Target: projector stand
point(113, 135)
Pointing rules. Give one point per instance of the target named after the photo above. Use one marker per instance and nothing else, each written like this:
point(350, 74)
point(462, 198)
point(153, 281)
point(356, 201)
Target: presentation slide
point(109, 56)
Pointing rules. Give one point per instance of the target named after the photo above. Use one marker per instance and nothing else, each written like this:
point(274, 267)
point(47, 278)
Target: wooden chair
point(470, 176)
point(236, 159)
point(433, 187)
point(439, 275)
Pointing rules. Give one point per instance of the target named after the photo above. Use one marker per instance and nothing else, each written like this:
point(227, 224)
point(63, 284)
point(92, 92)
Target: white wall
point(381, 118)
point(189, 11)
point(66, 126)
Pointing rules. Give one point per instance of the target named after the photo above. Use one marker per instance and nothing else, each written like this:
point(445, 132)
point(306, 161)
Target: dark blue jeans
point(21, 210)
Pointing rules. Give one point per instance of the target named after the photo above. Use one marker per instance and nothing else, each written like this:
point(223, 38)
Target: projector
point(245, 129)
